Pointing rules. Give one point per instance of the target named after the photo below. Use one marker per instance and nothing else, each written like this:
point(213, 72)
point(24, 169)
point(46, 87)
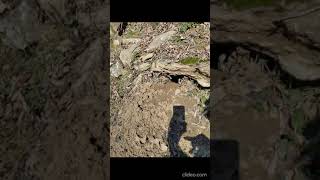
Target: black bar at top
point(159, 11)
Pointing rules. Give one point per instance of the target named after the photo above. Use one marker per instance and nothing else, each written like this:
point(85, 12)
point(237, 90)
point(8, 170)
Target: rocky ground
point(266, 85)
point(160, 90)
point(53, 84)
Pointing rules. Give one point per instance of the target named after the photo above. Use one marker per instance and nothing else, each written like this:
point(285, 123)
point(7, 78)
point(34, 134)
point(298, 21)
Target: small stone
point(155, 141)
point(157, 41)
point(131, 41)
point(143, 67)
point(116, 69)
point(177, 92)
point(114, 26)
point(137, 139)
point(127, 55)
point(146, 57)
point(204, 82)
point(163, 147)
point(116, 42)
point(185, 146)
point(143, 140)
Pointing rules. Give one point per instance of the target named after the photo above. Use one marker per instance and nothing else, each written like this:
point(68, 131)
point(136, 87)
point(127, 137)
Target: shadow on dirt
point(177, 127)
point(199, 144)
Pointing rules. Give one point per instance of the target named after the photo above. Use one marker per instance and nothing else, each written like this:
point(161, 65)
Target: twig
point(299, 15)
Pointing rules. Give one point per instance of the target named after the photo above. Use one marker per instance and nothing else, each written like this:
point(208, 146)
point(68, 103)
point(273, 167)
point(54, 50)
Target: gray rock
point(116, 42)
point(204, 68)
point(130, 41)
point(143, 139)
point(21, 26)
point(114, 26)
point(127, 55)
point(160, 39)
point(146, 57)
point(116, 69)
point(163, 147)
point(143, 67)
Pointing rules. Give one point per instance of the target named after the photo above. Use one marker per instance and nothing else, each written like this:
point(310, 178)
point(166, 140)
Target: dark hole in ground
point(176, 78)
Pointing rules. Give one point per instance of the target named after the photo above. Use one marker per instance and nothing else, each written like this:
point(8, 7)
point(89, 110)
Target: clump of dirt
point(156, 112)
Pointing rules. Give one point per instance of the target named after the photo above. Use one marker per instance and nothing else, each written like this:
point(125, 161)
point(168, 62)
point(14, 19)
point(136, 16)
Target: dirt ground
point(160, 113)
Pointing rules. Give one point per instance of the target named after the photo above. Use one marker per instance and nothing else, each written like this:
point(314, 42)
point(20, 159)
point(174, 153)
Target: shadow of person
point(177, 127)
point(200, 145)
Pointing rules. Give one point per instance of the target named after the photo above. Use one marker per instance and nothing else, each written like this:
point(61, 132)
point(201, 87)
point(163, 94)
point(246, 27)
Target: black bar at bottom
point(160, 168)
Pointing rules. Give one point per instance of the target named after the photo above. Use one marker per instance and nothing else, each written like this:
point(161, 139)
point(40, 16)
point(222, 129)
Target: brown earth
point(160, 110)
